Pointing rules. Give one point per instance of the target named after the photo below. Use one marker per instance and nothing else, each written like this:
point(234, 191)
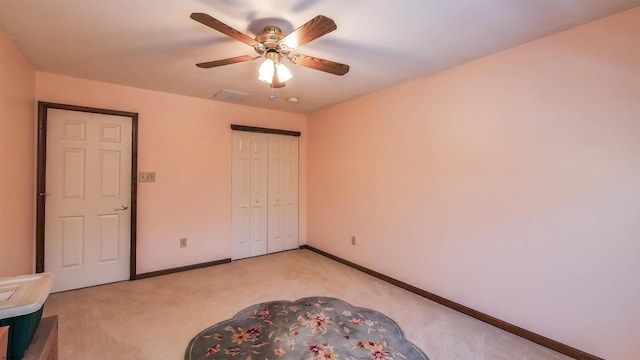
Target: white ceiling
point(153, 44)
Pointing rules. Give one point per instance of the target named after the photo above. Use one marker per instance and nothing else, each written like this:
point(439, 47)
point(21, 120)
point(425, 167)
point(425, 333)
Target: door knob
point(122, 207)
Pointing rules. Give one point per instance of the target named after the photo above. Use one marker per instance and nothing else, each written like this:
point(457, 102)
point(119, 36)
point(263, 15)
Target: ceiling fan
point(273, 46)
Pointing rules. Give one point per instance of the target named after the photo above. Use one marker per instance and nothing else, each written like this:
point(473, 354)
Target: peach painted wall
point(17, 129)
point(187, 142)
point(510, 184)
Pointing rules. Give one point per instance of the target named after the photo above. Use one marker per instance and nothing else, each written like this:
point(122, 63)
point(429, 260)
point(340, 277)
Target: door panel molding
point(43, 108)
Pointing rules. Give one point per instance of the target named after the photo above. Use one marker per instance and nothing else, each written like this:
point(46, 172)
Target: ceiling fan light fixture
point(272, 66)
point(283, 73)
point(265, 73)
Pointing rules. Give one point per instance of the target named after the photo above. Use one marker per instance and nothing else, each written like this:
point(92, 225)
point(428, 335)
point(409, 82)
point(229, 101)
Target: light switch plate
point(146, 176)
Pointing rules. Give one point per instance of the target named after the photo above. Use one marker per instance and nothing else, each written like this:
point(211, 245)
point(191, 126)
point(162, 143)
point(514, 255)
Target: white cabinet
point(264, 193)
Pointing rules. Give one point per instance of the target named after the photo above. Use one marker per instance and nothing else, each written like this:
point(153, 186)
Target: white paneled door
point(249, 187)
point(88, 195)
point(283, 193)
point(264, 193)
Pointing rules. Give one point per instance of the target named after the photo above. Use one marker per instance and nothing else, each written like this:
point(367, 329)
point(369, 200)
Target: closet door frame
point(265, 130)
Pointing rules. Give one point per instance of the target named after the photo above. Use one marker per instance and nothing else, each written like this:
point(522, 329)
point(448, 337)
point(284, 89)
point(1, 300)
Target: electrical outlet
point(353, 240)
point(183, 242)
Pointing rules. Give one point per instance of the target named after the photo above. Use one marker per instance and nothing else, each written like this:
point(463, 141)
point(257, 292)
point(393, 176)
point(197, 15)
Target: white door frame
point(41, 177)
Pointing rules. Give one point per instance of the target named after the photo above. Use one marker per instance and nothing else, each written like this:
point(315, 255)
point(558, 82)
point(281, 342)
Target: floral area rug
point(312, 328)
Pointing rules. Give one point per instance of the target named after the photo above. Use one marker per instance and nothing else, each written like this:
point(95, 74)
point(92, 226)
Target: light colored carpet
point(156, 318)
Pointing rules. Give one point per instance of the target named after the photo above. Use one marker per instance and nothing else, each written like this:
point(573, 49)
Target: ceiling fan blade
point(313, 29)
point(223, 28)
point(233, 60)
point(319, 64)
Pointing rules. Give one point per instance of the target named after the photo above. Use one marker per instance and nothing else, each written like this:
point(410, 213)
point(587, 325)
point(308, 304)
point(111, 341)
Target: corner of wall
point(17, 154)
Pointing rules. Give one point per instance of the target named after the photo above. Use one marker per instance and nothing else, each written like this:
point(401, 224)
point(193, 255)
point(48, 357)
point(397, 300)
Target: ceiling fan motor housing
point(270, 37)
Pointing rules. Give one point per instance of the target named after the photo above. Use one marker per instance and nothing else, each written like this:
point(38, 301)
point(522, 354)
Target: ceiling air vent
point(230, 96)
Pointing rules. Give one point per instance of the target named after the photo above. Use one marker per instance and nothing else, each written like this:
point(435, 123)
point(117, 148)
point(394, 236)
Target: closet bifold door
point(264, 193)
point(283, 193)
point(249, 194)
